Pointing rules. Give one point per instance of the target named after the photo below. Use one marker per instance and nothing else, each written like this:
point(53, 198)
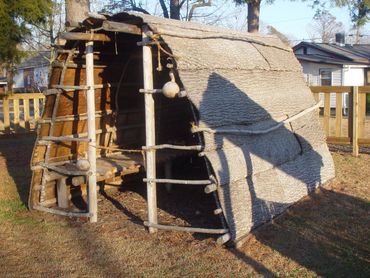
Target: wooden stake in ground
point(149, 132)
point(93, 206)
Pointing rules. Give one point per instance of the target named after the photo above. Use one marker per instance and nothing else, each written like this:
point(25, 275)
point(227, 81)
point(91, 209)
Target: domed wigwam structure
point(132, 92)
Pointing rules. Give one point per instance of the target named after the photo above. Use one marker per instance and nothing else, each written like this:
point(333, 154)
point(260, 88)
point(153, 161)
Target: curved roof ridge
point(195, 30)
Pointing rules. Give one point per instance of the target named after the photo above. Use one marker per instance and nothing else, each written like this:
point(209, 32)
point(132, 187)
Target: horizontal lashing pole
point(173, 147)
point(121, 27)
point(186, 229)
point(63, 213)
point(67, 51)
point(49, 92)
point(240, 131)
point(186, 182)
point(98, 131)
point(153, 91)
point(63, 171)
point(149, 43)
point(160, 91)
point(75, 36)
point(81, 87)
point(65, 138)
point(57, 64)
point(76, 117)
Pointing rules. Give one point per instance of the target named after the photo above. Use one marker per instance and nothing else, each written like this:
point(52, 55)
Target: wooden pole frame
point(355, 129)
point(92, 194)
point(150, 132)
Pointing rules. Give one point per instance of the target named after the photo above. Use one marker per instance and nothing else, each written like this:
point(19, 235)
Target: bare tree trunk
point(10, 70)
point(254, 16)
point(175, 7)
point(358, 31)
point(76, 11)
point(164, 8)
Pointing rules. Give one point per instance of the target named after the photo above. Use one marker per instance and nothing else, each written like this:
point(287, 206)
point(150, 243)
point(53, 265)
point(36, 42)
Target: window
point(325, 77)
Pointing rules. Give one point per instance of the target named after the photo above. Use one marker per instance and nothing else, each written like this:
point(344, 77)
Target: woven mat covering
point(240, 80)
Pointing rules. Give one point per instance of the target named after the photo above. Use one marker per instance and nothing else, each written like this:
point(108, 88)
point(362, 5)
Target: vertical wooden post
point(36, 108)
point(6, 113)
point(26, 114)
point(327, 114)
point(361, 115)
point(338, 114)
point(149, 132)
point(92, 194)
point(355, 148)
point(16, 114)
point(350, 115)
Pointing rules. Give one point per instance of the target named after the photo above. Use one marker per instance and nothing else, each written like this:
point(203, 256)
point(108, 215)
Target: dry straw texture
point(241, 80)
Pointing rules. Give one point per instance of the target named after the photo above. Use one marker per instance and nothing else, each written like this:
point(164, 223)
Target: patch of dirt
point(325, 234)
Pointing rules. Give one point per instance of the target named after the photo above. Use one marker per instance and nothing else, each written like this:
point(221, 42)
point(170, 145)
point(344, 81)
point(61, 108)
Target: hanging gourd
point(171, 89)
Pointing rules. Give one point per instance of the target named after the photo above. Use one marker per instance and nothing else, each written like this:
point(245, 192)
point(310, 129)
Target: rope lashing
point(195, 129)
point(156, 40)
point(120, 150)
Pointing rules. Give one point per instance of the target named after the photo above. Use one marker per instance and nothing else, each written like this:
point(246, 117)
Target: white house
point(32, 74)
point(334, 64)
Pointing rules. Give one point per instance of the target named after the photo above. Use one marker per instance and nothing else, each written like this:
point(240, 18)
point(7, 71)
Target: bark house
point(241, 114)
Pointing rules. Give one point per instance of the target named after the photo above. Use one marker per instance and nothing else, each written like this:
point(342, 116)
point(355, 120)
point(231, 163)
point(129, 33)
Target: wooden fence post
point(36, 108)
point(16, 114)
point(361, 114)
point(338, 114)
point(26, 114)
point(350, 115)
point(6, 113)
point(355, 124)
point(327, 114)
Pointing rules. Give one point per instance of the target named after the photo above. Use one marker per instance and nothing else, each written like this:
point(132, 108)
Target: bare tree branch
point(137, 8)
point(198, 4)
point(164, 9)
point(325, 25)
point(182, 3)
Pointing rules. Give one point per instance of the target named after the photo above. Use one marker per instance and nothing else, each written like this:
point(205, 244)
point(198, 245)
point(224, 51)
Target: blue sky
point(293, 18)
point(289, 17)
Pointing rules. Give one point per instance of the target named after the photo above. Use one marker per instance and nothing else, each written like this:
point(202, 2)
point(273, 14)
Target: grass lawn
point(326, 234)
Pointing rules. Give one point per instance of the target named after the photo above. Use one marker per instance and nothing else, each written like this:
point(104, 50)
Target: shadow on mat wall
point(276, 148)
point(282, 141)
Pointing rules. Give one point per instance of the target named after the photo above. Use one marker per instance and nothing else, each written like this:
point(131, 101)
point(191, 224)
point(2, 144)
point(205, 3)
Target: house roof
point(325, 59)
point(40, 59)
point(357, 54)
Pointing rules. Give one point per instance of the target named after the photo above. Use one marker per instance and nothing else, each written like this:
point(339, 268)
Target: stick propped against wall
point(92, 194)
point(149, 132)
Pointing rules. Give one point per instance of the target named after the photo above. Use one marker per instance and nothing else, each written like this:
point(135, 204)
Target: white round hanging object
point(171, 89)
